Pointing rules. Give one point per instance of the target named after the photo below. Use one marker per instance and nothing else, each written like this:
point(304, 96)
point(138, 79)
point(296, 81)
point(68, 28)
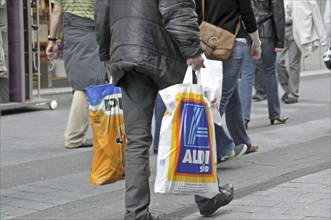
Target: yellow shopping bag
point(107, 122)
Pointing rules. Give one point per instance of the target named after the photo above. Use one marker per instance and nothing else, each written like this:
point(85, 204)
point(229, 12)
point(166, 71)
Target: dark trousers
point(139, 92)
point(138, 97)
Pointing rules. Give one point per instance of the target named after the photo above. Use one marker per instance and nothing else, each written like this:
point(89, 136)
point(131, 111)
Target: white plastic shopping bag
point(186, 160)
point(211, 80)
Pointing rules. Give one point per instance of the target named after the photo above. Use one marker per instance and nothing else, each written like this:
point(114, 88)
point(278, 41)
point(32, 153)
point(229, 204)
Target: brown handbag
point(218, 42)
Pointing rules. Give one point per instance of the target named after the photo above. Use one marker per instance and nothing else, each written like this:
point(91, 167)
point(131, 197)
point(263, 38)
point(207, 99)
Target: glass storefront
point(24, 39)
point(52, 71)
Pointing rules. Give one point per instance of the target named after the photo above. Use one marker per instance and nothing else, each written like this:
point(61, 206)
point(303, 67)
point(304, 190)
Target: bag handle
point(108, 77)
point(188, 79)
point(203, 18)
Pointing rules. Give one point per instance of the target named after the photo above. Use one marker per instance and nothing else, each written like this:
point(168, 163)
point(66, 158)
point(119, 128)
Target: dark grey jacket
point(154, 37)
point(270, 19)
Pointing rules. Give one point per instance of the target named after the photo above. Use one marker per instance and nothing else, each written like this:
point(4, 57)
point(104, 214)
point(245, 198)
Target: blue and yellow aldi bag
point(186, 160)
point(107, 122)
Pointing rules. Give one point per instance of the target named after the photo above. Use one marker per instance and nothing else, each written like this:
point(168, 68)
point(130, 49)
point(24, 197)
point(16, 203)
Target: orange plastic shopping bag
point(107, 122)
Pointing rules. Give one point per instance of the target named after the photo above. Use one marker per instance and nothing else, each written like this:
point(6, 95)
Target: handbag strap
point(203, 17)
point(203, 10)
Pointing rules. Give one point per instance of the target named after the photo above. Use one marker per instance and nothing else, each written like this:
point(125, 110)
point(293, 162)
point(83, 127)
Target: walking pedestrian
point(81, 62)
point(270, 17)
point(327, 22)
point(147, 46)
point(259, 85)
point(304, 33)
point(226, 14)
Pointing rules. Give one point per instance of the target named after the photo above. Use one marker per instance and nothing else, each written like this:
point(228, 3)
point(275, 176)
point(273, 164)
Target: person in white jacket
point(304, 32)
point(327, 22)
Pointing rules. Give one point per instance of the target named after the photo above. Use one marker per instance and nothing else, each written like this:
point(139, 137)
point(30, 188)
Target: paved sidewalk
point(305, 198)
point(40, 179)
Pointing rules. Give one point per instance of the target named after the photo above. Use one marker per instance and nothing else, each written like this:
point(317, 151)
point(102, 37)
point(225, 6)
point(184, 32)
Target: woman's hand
point(256, 52)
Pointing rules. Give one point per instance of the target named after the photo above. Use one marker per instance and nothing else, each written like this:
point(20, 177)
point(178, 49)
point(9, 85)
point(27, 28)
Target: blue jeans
point(268, 59)
point(231, 105)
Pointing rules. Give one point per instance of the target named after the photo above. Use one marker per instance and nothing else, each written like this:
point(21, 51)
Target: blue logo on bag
point(194, 157)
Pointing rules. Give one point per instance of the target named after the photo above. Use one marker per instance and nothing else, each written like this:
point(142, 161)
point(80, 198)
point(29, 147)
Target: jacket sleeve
point(318, 21)
point(247, 16)
point(278, 11)
point(327, 20)
point(102, 28)
point(181, 21)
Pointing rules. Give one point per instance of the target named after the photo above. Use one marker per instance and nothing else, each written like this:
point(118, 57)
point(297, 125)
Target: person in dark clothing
point(147, 46)
point(226, 14)
point(270, 17)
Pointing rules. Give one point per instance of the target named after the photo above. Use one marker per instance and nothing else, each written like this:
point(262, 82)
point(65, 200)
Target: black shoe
point(223, 198)
point(246, 123)
point(284, 97)
point(290, 100)
point(281, 120)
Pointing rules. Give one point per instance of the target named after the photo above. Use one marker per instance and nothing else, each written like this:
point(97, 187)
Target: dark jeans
point(268, 59)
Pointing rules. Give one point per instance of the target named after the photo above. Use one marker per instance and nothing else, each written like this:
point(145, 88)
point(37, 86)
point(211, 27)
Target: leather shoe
point(290, 100)
point(223, 198)
point(281, 120)
point(284, 97)
point(246, 123)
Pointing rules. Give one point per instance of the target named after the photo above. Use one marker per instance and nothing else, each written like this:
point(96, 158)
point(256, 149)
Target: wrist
point(53, 39)
point(256, 45)
point(51, 42)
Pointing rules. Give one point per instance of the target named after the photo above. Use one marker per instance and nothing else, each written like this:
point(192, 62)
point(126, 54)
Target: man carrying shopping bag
point(147, 46)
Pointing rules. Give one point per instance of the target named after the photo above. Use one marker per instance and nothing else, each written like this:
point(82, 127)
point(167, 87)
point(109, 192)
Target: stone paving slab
point(297, 199)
